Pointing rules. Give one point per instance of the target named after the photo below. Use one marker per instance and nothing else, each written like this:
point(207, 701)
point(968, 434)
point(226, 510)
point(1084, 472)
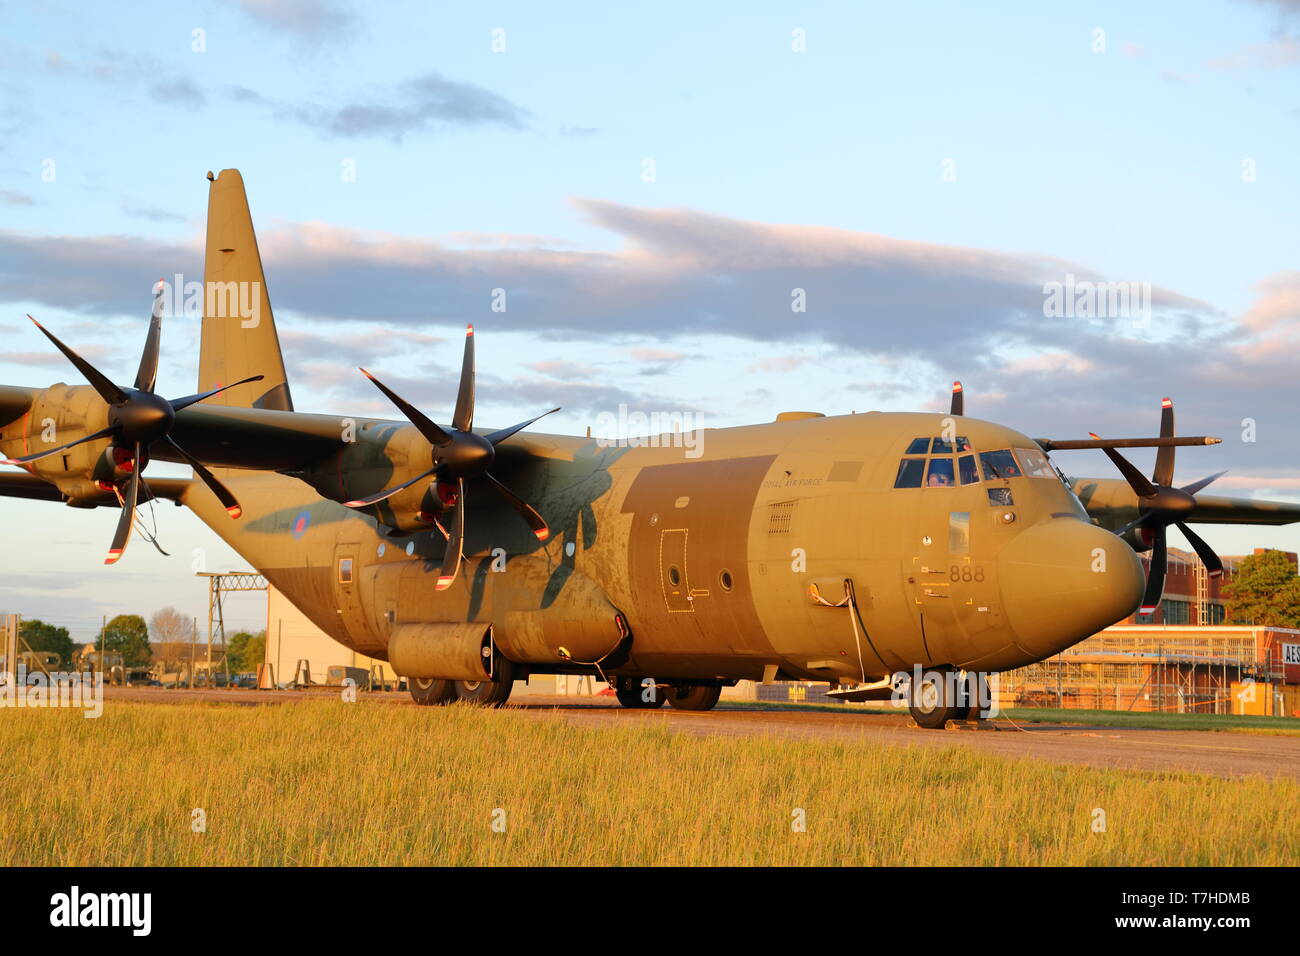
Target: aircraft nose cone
point(1063, 580)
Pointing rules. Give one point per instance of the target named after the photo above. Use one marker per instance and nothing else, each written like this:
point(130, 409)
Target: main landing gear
point(430, 692)
point(632, 693)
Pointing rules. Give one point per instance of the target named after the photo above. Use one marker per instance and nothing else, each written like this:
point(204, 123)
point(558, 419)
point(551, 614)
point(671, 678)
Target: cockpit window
point(940, 474)
point(1035, 463)
point(966, 468)
point(1000, 464)
point(944, 447)
point(910, 471)
point(916, 471)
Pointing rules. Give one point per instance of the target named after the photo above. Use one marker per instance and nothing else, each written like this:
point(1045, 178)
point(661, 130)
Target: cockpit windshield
point(1000, 464)
point(928, 463)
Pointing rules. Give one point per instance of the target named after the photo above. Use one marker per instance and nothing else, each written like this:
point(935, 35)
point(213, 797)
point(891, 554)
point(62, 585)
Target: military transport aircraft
point(842, 549)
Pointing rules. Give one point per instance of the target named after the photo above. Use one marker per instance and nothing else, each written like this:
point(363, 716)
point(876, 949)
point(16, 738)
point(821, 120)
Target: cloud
point(414, 105)
point(11, 198)
point(912, 311)
point(1277, 53)
point(177, 91)
point(309, 21)
point(564, 369)
point(153, 214)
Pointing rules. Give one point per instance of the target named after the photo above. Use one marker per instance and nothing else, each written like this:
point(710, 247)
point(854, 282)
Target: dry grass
point(335, 783)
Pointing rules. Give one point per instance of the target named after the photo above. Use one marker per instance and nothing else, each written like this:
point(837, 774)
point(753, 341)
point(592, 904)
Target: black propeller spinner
point(1160, 505)
point(458, 455)
point(137, 417)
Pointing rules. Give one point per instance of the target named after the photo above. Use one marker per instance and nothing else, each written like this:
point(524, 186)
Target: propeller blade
point(525, 510)
point(1164, 473)
point(1137, 522)
point(1156, 576)
point(379, 496)
point(1196, 486)
point(432, 433)
point(1203, 551)
point(502, 434)
point(451, 559)
point(958, 406)
point(102, 433)
point(147, 375)
point(106, 389)
point(463, 418)
point(1137, 481)
point(127, 519)
point(221, 491)
point(188, 400)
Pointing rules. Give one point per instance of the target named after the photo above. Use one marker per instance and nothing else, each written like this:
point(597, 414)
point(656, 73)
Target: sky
point(650, 185)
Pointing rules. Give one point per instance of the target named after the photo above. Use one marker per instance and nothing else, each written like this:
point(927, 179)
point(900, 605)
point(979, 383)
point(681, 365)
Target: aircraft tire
point(629, 692)
point(694, 698)
point(928, 703)
point(431, 692)
point(488, 693)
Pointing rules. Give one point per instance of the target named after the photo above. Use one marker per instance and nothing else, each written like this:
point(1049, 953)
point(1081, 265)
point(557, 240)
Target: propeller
point(458, 455)
point(1160, 505)
point(138, 417)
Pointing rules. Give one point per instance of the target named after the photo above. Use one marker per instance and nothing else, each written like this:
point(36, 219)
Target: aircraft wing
point(226, 437)
point(223, 436)
point(20, 484)
point(1113, 503)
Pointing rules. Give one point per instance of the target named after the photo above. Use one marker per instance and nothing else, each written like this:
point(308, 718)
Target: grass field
point(1250, 724)
point(336, 783)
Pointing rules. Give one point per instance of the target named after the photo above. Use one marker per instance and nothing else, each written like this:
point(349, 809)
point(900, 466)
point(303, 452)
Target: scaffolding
point(1150, 668)
point(221, 583)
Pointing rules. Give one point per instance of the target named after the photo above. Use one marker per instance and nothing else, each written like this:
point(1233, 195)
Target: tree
point(46, 637)
point(169, 624)
point(1265, 591)
point(246, 651)
point(128, 635)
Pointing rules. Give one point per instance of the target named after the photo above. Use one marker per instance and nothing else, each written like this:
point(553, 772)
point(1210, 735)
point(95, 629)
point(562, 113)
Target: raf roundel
point(300, 524)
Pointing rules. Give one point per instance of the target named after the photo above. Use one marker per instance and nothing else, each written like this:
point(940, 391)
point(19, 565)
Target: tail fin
point(239, 337)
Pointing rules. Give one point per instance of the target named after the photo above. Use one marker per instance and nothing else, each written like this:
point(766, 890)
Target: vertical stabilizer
point(239, 337)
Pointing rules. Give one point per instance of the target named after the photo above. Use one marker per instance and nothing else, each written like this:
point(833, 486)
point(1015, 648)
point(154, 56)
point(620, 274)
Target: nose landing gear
point(943, 694)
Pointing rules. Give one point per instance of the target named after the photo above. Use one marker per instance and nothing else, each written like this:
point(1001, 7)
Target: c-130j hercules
point(842, 549)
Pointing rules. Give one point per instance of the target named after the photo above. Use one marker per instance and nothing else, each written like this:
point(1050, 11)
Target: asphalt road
point(1219, 753)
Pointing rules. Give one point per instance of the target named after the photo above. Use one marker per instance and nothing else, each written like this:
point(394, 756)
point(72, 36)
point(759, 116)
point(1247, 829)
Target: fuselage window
point(940, 474)
point(1035, 463)
point(1000, 464)
point(1000, 497)
point(959, 532)
point(910, 471)
point(345, 570)
point(966, 468)
point(919, 446)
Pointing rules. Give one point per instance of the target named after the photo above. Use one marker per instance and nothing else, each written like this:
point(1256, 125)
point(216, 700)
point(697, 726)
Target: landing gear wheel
point(430, 692)
point(935, 700)
point(631, 694)
point(693, 698)
point(488, 693)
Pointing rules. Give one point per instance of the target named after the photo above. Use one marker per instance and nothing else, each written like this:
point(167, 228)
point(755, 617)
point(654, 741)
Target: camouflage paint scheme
point(731, 565)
